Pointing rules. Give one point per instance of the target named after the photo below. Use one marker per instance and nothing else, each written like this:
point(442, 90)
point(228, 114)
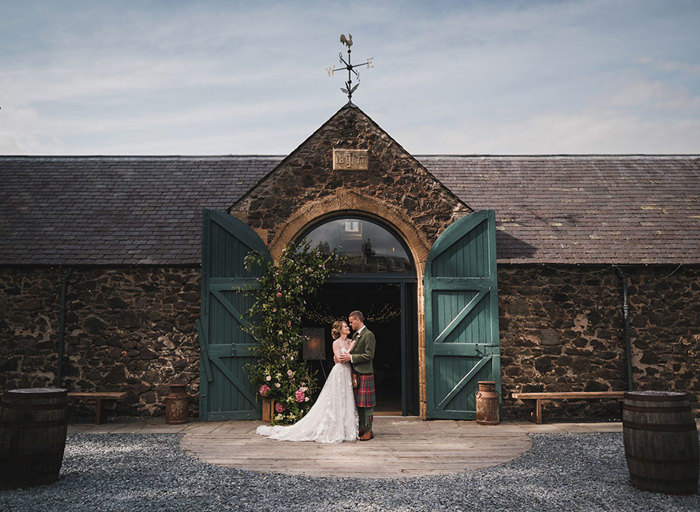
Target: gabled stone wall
point(394, 186)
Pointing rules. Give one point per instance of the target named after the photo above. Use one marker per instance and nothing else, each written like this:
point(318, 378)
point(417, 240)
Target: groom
point(361, 357)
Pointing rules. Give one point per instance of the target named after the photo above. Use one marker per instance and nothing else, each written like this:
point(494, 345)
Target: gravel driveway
point(133, 472)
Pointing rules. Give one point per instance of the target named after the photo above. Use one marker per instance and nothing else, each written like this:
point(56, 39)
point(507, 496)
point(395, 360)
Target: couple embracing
point(345, 407)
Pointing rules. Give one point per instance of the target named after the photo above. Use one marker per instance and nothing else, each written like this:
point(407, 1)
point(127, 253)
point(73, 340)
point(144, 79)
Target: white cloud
point(606, 132)
point(672, 66)
point(640, 92)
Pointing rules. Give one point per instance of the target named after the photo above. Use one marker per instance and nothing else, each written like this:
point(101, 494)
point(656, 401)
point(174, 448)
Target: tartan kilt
point(365, 395)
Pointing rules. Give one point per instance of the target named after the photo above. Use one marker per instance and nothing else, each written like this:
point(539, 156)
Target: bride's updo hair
point(335, 329)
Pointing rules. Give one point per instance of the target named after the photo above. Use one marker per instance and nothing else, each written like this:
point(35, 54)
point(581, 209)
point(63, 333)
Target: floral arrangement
point(280, 372)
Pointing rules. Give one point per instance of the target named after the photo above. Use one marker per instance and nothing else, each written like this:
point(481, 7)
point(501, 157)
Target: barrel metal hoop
point(660, 427)
point(690, 460)
point(36, 394)
point(680, 408)
point(24, 406)
point(31, 425)
point(674, 480)
point(656, 398)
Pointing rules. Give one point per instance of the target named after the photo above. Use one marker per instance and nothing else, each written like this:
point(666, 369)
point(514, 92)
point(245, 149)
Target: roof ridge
point(140, 157)
point(278, 156)
point(564, 155)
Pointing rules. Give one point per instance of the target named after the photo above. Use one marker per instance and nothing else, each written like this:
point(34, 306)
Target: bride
point(333, 418)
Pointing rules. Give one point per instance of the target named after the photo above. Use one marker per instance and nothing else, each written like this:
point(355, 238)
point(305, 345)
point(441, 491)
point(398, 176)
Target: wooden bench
point(99, 397)
point(535, 399)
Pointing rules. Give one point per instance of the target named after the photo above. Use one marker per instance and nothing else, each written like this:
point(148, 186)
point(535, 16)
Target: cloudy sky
point(451, 77)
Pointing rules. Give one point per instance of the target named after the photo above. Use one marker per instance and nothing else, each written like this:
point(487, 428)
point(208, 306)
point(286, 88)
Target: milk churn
point(176, 404)
point(487, 403)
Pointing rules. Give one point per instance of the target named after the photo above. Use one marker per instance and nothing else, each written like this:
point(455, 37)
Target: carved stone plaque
point(351, 159)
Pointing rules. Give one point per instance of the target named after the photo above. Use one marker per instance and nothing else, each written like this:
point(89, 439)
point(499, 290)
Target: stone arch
point(348, 201)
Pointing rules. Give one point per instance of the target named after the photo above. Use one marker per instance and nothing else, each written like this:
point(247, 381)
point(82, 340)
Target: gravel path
point(133, 472)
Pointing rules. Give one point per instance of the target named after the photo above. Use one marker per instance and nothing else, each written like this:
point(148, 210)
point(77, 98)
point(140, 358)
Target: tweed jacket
point(363, 351)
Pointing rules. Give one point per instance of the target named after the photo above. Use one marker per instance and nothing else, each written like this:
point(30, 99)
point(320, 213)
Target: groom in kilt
point(361, 357)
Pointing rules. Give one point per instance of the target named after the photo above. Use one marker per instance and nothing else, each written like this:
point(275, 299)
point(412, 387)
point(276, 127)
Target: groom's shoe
point(367, 436)
point(361, 432)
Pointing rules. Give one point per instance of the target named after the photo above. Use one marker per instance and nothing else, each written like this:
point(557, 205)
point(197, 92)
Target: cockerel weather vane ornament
point(349, 88)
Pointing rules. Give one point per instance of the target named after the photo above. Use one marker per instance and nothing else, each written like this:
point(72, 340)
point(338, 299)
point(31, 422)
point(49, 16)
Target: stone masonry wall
point(561, 327)
point(562, 330)
point(126, 330)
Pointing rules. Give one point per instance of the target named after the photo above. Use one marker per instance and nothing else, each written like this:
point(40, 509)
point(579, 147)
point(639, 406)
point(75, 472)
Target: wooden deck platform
point(402, 447)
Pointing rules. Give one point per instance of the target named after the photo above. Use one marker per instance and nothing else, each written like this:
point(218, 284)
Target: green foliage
point(280, 302)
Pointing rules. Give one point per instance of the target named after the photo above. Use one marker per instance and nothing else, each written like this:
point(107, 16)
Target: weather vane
point(349, 89)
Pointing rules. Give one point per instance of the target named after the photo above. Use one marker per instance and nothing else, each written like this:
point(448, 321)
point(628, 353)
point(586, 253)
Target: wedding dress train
point(332, 419)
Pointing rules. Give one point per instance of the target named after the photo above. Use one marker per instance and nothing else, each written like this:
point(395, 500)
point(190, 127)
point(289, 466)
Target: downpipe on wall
point(626, 316)
point(62, 327)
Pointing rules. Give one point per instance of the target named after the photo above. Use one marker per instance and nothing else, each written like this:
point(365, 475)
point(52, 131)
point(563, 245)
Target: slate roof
point(549, 209)
point(115, 210)
point(583, 209)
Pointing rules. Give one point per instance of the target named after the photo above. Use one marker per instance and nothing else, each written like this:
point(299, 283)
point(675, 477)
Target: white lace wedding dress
point(332, 419)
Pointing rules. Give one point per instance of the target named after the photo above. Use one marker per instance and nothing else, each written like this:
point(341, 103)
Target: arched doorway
point(448, 310)
point(380, 281)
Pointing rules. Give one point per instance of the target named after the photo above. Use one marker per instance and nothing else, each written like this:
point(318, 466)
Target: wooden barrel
point(661, 441)
point(33, 427)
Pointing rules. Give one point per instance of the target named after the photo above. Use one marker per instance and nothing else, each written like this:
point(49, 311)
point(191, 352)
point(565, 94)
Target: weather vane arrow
point(347, 64)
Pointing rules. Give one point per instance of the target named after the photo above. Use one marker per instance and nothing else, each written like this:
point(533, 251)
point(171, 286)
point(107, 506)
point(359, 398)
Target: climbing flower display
point(280, 302)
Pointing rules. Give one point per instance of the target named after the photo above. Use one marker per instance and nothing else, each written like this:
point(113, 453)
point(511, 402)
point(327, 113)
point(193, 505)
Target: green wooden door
point(225, 391)
point(461, 316)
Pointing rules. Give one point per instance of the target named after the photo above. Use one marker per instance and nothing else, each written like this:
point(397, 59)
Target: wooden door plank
point(463, 381)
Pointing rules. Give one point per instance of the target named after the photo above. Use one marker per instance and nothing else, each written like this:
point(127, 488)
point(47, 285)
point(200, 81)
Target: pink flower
point(268, 378)
point(279, 294)
point(290, 372)
point(279, 407)
point(299, 395)
point(306, 399)
point(264, 390)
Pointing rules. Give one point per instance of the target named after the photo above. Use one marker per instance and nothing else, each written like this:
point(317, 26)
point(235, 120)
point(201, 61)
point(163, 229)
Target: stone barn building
point(542, 273)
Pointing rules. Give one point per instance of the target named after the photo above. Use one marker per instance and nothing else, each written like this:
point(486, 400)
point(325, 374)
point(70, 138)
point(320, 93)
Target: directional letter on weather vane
point(349, 89)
